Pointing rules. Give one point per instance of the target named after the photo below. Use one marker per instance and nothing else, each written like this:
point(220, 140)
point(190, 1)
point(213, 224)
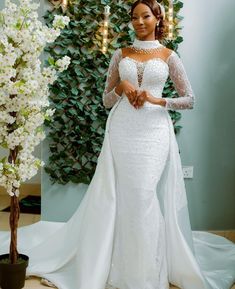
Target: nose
point(140, 20)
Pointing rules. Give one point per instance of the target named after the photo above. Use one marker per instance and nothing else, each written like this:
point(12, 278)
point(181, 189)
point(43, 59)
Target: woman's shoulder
point(117, 54)
point(125, 48)
point(167, 52)
point(122, 51)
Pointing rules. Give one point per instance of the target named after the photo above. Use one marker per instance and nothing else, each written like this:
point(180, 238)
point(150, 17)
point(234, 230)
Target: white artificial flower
point(60, 21)
point(24, 86)
point(63, 63)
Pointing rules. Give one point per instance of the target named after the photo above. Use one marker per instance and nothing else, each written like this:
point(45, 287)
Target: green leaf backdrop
point(77, 130)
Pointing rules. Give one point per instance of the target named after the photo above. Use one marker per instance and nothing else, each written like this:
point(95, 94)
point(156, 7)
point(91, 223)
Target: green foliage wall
point(77, 130)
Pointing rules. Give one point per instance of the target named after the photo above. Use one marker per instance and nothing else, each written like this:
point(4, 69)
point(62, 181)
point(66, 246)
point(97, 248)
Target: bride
point(132, 228)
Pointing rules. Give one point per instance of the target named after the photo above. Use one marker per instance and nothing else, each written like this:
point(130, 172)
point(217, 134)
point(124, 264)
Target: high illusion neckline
point(146, 44)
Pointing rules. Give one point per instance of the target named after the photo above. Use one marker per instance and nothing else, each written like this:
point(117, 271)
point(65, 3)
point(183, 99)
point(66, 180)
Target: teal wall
point(58, 202)
point(207, 140)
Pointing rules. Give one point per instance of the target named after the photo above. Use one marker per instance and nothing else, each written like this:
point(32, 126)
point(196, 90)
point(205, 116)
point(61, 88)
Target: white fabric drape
point(77, 254)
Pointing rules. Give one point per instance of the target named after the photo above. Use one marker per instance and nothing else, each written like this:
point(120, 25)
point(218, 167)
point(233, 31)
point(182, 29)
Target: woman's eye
point(135, 18)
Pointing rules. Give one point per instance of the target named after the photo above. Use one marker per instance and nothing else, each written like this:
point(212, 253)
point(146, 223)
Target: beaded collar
point(146, 46)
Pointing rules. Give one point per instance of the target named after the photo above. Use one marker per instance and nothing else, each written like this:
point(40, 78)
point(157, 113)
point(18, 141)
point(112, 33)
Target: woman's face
point(144, 22)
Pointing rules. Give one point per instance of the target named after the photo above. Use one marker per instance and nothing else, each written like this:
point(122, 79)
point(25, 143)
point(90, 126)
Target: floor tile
point(34, 283)
point(229, 234)
point(25, 219)
point(5, 201)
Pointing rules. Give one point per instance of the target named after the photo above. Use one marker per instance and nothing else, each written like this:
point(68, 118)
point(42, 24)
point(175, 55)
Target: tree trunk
point(14, 215)
point(14, 218)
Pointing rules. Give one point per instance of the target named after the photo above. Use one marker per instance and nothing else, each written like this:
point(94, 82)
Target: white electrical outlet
point(188, 172)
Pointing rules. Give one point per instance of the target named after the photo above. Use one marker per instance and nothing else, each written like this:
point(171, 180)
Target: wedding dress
point(132, 228)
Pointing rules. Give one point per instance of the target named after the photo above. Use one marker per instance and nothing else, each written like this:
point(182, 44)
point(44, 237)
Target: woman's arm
point(110, 95)
point(181, 83)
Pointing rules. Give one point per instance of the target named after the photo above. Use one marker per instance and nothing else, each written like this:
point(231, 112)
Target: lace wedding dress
point(132, 228)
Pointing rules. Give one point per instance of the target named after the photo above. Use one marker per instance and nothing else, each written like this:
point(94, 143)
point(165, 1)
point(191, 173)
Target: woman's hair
point(161, 29)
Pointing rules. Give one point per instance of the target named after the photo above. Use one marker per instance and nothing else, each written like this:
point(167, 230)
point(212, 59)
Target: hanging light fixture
point(105, 28)
point(63, 3)
point(171, 20)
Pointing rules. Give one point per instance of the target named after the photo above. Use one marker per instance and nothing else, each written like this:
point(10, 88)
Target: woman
point(139, 137)
point(132, 229)
point(149, 249)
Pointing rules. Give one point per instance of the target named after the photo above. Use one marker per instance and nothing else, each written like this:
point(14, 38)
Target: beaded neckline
point(146, 46)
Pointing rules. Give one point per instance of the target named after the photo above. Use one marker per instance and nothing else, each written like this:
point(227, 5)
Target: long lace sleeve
point(110, 97)
point(181, 83)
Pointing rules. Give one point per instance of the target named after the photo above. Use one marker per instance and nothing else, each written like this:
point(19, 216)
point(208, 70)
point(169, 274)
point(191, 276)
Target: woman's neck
point(146, 44)
point(146, 38)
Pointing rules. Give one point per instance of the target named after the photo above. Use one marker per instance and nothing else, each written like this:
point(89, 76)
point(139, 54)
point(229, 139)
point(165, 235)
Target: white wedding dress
point(132, 228)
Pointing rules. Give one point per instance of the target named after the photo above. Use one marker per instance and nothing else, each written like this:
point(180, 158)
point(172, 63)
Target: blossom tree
point(24, 91)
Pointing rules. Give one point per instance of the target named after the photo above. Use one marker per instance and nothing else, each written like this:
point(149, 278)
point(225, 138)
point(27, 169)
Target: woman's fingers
point(131, 95)
point(135, 97)
point(141, 97)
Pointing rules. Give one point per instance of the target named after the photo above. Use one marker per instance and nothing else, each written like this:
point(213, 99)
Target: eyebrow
point(142, 12)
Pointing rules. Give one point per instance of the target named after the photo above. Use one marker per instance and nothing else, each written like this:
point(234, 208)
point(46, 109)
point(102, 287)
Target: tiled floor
point(34, 283)
point(26, 219)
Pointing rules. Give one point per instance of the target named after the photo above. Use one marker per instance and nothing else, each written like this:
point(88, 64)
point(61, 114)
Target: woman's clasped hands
point(136, 97)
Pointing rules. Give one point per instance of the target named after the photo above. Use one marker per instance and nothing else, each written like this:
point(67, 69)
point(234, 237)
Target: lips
point(140, 29)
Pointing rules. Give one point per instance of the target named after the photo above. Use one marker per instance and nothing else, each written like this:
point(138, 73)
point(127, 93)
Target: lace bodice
point(149, 75)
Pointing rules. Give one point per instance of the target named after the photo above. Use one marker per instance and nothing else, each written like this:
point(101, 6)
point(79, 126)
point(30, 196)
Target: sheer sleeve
point(110, 97)
point(181, 83)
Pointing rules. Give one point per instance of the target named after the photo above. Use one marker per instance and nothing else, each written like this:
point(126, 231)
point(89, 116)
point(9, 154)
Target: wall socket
point(188, 172)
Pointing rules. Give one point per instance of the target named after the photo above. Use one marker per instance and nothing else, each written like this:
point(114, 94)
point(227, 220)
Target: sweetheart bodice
point(149, 75)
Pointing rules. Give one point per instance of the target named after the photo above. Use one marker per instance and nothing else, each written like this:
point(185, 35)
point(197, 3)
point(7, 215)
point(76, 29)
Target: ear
point(157, 24)
point(157, 20)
